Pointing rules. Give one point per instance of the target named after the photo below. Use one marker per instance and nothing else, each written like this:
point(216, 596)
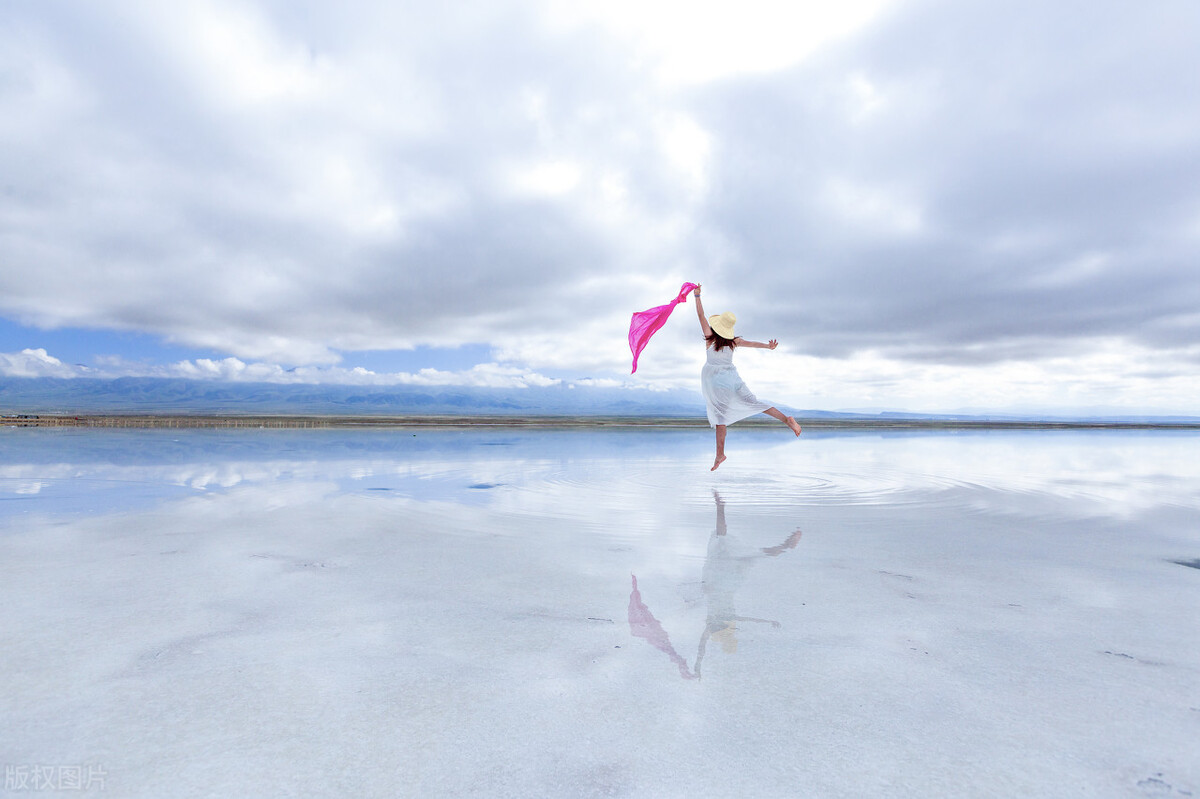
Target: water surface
point(594, 613)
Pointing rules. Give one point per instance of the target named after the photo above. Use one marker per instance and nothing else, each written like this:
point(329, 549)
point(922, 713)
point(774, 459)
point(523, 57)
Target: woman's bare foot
point(792, 423)
point(720, 459)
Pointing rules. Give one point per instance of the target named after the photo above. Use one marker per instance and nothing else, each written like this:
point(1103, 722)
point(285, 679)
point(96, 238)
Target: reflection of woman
point(724, 572)
point(727, 397)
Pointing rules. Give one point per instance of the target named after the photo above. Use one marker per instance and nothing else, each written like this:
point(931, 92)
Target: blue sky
point(932, 206)
point(95, 349)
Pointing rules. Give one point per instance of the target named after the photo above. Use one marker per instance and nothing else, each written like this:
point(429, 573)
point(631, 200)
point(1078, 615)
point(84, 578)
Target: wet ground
point(594, 613)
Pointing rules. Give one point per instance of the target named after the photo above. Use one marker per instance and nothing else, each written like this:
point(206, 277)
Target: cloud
point(965, 181)
point(919, 185)
point(283, 186)
point(693, 42)
point(38, 363)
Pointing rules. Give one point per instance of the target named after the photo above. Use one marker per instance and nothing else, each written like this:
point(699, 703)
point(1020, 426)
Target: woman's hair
point(719, 342)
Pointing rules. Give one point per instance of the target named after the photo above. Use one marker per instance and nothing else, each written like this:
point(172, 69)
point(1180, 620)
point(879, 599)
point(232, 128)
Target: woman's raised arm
point(700, 312)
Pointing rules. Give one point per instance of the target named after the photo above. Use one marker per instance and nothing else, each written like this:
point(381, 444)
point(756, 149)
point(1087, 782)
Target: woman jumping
point(728, 398)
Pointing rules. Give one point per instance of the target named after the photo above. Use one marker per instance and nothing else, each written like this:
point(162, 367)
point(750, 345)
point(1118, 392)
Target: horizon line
point(135, 419)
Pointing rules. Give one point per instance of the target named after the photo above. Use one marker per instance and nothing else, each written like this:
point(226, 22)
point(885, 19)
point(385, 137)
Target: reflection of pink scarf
point(646, 323)
point(643, 624)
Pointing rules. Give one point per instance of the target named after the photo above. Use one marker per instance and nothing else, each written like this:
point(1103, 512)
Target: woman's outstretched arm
point(700, 312)
point(770, 345)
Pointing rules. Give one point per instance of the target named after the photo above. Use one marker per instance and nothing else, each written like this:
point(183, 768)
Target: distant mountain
point(170, 395)
point(143, 395)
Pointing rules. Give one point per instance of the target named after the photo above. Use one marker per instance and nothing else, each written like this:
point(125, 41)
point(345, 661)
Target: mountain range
point(149, 395)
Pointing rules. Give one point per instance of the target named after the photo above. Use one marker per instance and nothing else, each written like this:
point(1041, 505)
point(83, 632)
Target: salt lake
point(592, 612)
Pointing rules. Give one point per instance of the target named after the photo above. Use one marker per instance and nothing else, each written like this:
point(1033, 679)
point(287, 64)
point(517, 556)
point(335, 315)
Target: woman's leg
point(720, 447)
point(775, 413)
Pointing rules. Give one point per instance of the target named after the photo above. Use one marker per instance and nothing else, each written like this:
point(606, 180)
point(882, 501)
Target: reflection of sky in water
point(94, 471)
point(597, 603)
point(1076, 472)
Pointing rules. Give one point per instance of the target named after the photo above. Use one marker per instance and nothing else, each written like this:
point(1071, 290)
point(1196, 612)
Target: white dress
point(728, 398)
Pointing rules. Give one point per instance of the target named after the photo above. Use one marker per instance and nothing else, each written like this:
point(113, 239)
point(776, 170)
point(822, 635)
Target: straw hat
point(722, 324)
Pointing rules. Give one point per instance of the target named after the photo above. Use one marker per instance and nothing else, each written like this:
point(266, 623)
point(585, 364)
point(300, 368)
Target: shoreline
point(322, 421)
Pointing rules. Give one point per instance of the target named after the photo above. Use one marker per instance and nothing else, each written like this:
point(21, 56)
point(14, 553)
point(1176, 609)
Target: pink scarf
point(646, 323)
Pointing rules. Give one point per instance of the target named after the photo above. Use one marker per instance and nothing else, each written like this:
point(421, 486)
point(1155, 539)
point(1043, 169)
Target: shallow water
point(594, 613)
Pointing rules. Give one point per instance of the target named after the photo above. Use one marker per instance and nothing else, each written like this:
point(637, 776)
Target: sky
point(933, 206)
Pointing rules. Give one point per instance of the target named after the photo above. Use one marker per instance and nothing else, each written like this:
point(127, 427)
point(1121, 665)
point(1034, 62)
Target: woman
point(728, 398)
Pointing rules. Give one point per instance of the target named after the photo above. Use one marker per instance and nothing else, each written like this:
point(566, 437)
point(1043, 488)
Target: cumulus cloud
point(918, 186)
point(38, 363)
